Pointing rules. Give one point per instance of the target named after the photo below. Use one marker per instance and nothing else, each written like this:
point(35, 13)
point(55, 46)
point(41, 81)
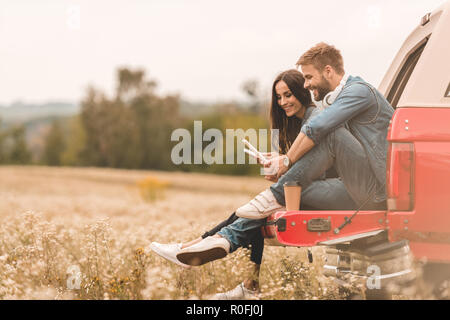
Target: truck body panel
point(429, 81)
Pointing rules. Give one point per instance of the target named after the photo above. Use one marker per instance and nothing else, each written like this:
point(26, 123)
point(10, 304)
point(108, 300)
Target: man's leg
point(327, 194)
point(343, 150)
point(339, 148)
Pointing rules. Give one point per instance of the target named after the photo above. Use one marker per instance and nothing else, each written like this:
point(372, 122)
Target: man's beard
point(322, 89)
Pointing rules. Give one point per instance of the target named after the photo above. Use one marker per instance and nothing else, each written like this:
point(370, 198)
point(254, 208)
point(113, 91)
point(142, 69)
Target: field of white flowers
point(69, 233)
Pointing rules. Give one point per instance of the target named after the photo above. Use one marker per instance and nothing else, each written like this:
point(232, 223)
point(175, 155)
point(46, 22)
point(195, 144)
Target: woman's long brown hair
point(289, 127)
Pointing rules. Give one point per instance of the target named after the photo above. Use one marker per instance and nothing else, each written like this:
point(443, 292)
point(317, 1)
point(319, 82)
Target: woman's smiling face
point(287, 101)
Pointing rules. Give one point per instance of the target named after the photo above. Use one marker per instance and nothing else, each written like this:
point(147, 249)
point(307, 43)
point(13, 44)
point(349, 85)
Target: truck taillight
point(400, 176)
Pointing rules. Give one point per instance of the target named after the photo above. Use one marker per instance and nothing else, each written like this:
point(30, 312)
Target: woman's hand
point(268, 156)
point(271, 178)
point(270, 173)
point(275, 167)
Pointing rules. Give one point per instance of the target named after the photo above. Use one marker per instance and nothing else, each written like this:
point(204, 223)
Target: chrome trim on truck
point(351, 238)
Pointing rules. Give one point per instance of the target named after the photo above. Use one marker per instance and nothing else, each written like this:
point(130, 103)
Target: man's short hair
point(321, 55)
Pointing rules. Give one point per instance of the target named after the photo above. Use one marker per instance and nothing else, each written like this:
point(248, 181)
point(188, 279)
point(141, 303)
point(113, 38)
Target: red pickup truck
point(416, 225)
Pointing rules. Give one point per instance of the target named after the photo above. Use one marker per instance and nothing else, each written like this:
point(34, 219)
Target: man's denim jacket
point(366, 113)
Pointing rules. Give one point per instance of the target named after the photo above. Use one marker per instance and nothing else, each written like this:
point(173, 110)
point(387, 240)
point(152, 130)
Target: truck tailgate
point(310, 228)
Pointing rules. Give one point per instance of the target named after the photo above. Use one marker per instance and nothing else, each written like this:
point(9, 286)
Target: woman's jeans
point(256, 240)
point(356, 186)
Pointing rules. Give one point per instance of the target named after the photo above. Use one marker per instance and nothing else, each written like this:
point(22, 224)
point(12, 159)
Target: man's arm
point(300, 147)
point(353, 100)
point(302, 144)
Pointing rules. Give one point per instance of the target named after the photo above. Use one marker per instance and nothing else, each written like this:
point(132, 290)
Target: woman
point(291, 106)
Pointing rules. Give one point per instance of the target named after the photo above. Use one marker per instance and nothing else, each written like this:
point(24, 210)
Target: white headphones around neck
point(331, 96)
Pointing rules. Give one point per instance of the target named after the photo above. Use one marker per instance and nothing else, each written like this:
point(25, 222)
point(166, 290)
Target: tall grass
point(82, 233)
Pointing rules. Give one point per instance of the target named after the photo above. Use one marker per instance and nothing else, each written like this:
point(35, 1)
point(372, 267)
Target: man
point(349, 134)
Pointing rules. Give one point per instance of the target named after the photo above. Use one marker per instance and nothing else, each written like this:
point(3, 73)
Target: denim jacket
point(366, 113)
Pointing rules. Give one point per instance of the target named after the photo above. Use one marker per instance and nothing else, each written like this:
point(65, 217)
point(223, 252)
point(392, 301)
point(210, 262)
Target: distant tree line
point(132, 129)
point(13, 147)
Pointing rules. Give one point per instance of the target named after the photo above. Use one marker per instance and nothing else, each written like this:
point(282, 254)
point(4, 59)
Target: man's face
point(315, 82)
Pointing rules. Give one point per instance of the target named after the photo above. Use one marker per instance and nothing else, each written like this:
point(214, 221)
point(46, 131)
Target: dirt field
point(71, 233)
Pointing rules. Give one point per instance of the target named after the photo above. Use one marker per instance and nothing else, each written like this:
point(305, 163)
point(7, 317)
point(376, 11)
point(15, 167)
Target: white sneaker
point(238, 293)
point(209, 249)
point(167, 251)
point(260, 207)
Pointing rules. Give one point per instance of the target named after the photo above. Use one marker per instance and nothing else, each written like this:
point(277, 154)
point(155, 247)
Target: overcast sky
point(202, 49)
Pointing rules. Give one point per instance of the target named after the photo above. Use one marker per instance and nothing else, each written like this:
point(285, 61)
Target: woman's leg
point(238, 234)
point(224, 223)
point(256, 244)
point(242, 232)
point(211, 232)
point(256, 250)
point(191, 243)
point(169, 251)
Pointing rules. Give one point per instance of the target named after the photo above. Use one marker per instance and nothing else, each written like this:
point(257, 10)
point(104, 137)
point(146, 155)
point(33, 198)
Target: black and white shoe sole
point(166, 256)
point(201, 257)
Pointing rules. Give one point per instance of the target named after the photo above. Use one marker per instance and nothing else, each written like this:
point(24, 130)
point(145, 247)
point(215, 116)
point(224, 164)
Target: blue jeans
point(256, 244)
point(357, 183)
point(341, 149)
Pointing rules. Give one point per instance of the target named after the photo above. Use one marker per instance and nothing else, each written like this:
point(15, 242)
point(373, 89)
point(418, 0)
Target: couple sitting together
point(344, 126)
